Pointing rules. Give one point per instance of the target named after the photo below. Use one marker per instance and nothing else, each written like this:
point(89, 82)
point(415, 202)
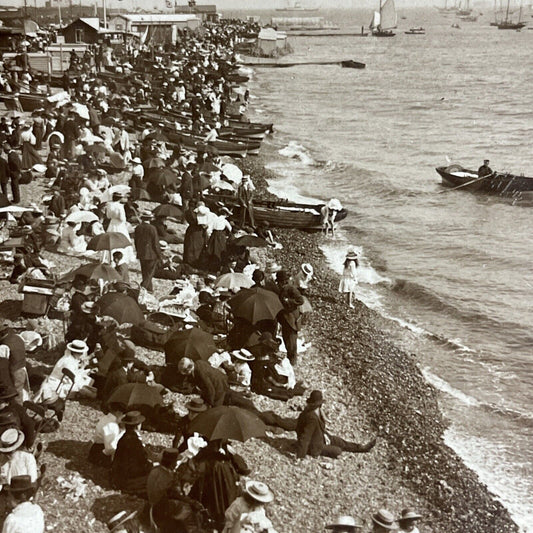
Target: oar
point(468, 183)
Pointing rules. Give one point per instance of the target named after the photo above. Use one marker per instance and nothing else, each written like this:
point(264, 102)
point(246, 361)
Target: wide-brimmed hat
point(351, 254)
point(196, 405)
point(282, 276)
point(316, 398)
point(163, 245)
point(307, 269)
point(146, 213)
point(20, 484)
point(11, 439)
point(259, 491)
point(243, 355)
point(87, 307)
point(409, 513)
point(345, 522)
point(136, 160)
point(384, 519)
point(7, 392)
point(170, 454)
point(119, 519)
point(334, 204)
point(78, 347)
point(133, 418)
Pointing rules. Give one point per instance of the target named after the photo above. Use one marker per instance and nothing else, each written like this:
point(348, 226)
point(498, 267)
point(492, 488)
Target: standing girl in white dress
point(117, 222)
point(348, 281)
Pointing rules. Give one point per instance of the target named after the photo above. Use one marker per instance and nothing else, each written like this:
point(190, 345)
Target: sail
point(389, 19)
point(376, 21)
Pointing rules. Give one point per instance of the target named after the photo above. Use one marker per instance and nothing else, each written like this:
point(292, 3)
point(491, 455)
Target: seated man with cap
point(195, 406)
point(25, 515)
point(408, 520)
point(382, 521)
point(484, 170)
point(214, 320)
point(248, 510)
point(313, 438)
point(131, 466)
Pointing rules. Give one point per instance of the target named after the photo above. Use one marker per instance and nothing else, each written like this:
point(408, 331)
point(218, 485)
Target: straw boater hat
point(345, 523)
point(384, 519)
point(116, 521)
point(133, 418)
point(146, 213)
point(77, 347)
point(163, 245)
point(243, 355)
point(259, 491)
point(11, 439)
point(196, 405)
point(409, 514)
point(307, 269)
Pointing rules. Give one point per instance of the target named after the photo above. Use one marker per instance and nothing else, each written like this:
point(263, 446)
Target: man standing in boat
point(484, 170)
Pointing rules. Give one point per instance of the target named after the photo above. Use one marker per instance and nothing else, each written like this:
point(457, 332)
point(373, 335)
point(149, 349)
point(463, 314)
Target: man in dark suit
point(4, 171)
point(131, 466)
point(14, 163)
point(314, 440)
point(289, 316)
point(213, 383)
point(148, 250)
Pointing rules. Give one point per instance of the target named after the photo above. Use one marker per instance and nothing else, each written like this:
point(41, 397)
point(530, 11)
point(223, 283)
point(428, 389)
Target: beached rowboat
point(279, 214)
point(502, 184)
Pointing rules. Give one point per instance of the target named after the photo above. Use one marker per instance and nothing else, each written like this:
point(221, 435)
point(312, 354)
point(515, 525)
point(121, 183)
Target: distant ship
point(446, 10)
point(297, 8)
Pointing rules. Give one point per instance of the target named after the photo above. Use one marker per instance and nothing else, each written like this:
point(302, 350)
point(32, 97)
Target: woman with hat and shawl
point(117, 222)
point(248, 510)
point(195, 236)
point(131, 466)
point(13, 415)
point(216, 486)
point(25, 516)
point(348, 281)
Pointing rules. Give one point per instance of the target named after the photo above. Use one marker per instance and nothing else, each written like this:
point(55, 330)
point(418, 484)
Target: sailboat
point(508, 24)
point(385, 20)
point(464, 11)
point(446, 10)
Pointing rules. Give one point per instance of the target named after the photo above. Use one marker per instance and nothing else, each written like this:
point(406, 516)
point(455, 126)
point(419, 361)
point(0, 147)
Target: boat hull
point(502, 184)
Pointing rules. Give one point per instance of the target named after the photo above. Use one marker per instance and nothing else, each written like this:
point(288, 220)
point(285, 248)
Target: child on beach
point(348, 281)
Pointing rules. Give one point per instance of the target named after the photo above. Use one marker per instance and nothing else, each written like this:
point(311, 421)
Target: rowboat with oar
point(499, 183)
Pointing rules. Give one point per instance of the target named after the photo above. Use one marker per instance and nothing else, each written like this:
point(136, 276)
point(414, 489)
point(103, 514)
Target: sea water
point(454, 268)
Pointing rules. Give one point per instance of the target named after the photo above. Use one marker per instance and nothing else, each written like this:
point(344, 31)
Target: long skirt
point(30, 156)
point(194, 245)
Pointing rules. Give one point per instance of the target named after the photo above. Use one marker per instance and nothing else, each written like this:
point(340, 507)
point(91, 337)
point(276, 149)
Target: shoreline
point(392, 393)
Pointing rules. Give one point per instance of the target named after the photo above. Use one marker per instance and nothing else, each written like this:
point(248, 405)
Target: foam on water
point(296, 151)
point(485, 457)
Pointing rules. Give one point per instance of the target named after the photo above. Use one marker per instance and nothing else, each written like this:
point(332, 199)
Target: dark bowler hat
point(169, 455)
point(282, 276)
point(20, 484)
point(133, 418)
point(316, 399)
point(7, 392)
point(196, 405)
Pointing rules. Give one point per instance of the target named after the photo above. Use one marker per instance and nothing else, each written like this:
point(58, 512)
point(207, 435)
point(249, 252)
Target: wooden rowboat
point(500, 183)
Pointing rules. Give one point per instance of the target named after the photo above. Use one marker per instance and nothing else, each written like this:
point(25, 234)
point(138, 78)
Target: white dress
point(117, 222)
point(348, 281)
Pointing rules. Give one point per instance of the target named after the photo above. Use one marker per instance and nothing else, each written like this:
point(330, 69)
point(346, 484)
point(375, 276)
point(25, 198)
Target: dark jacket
point(14, 163)
point(17, 350)
point(291, 299)
point(147, 242)
point(213, 383)
point(130, 460)
point(310, 430)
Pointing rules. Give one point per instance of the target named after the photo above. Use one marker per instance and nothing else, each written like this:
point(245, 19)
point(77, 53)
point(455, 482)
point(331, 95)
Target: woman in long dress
point(348, 281)
point(116, 214)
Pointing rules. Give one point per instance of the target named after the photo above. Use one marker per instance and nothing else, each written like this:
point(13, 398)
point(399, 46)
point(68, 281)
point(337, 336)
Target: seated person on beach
point(313, 438)
point(484, 170)
point(214, 321)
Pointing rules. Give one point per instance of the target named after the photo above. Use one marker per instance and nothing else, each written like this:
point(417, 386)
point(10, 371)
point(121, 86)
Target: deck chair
point(48, 415)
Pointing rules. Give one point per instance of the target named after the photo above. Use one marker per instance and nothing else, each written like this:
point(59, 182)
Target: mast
point(507, 12)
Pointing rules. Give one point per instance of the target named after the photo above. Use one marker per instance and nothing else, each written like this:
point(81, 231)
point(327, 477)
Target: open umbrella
point(94, 271)
point(154, 162)
point(81, 110)
point(137, 193)
point(251, 241)
point(155, 136)
point(232, 172)
point(122, 189)
point(136, 395)
point(228, 422)
point(168, 210)
point(193, 343)
point(255, 304)
point(109, 241)
point(82, 216)
point(117, 161)
point(234, 280)
point(162, 177)
point(123, 308)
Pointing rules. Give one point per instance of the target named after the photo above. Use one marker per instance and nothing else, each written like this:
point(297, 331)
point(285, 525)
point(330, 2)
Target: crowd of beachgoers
point(144, 297)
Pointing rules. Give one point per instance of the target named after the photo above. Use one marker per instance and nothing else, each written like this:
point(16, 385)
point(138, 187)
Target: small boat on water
point(384, 20)
point(279, 213)
point(507, 23)
point(416, 31)
point(499, 183)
